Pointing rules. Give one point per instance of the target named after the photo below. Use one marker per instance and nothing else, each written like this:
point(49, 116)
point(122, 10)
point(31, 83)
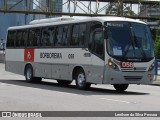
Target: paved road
point(17, 95)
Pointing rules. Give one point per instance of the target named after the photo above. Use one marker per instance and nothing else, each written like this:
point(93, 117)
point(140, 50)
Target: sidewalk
point(157, 82)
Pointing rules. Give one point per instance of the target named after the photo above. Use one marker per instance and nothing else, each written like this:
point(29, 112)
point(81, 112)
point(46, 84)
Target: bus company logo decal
point(29, 55)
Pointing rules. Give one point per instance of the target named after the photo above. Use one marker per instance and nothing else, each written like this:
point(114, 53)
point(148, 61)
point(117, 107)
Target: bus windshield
point(129, 41)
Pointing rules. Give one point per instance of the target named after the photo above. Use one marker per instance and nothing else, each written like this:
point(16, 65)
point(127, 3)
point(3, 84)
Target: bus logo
point(29, 55)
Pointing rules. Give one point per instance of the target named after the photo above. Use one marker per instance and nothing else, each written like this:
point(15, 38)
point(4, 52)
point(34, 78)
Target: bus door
point(96, 47)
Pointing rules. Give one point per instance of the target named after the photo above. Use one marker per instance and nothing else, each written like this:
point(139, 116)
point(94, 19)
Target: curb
point(155, 84)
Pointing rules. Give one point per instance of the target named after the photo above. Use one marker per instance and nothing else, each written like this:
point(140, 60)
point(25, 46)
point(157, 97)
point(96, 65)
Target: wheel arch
point(75, 69)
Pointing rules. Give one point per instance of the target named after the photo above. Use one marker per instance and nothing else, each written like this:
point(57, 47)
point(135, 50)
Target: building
point(154, 12)
point(12, 19)
point(48, 5)
point(151, 11)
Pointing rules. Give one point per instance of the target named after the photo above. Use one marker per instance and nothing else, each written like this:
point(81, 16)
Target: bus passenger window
point(11, 38)
point(37, 37)
point(82, 34)
point(74, 40)
point(34, 37)
point(45, 37)
point(30, 39)
point(58, 37)
point(19, 37)
point(24, 38)
point(65, 36)
point(51, 32)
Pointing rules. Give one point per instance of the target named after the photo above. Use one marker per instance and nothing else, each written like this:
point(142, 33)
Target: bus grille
point(135, 69)
point(133, 78)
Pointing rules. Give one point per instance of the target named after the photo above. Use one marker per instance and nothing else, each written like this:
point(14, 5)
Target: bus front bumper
point(128, 77)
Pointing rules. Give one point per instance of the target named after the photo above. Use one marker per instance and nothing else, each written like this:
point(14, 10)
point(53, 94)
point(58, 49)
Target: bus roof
point(74, 20)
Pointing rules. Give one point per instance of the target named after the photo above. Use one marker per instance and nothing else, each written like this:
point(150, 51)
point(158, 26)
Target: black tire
point(64, 82)
point(81, 80)
point(121, 87)
point(29, 75)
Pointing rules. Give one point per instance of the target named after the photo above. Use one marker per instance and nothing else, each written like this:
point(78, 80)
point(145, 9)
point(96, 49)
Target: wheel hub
point(81, 79)
point(29, 74)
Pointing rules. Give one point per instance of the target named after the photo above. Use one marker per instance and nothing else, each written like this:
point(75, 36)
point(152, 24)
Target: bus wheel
point(121, 87)
point(81, 80)
point(29, 75)
point(64, 82)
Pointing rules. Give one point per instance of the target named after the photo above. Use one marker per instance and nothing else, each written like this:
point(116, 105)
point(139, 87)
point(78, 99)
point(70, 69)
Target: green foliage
point(157, 45)
point(112, 9)
point(153, 33)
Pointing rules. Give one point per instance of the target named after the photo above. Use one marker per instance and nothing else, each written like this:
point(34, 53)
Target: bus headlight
point(112, 65)
point(151, 67)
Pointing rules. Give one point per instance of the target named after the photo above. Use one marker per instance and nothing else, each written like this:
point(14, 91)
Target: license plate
point(127, 64)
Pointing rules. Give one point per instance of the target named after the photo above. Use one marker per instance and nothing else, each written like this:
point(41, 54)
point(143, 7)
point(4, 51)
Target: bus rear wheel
point(29, 75)
point(81, 80)
point(64, 82)
point(121, 87)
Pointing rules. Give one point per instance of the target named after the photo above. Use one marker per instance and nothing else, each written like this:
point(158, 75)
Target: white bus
point(95, 50)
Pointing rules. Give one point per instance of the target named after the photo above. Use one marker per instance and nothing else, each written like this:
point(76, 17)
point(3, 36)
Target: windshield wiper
point(127, 49)
point(129, 44)
point(141, 49)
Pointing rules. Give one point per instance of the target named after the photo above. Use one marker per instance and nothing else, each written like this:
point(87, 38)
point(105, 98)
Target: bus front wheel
point(81, 80)
point(29, 75)
point(121, 87)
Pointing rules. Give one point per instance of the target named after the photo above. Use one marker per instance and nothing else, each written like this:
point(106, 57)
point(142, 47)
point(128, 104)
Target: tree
point(114, 9)
point(111, 9)
point(157, 45)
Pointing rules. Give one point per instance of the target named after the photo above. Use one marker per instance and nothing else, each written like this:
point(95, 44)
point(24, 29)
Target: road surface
point(18, 95)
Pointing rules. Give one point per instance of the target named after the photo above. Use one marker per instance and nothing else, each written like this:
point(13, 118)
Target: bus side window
point(24, 38)
point(31, 38)
point(74, 37)
point(11, 38)
point(93, 27)
point(51, 32)
point(18, 39)
point(37, 37)
point(34, 37)
point(82, 34)
point(65, 36)
point(98, 45)
point(45, 37)
point(58, 36)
